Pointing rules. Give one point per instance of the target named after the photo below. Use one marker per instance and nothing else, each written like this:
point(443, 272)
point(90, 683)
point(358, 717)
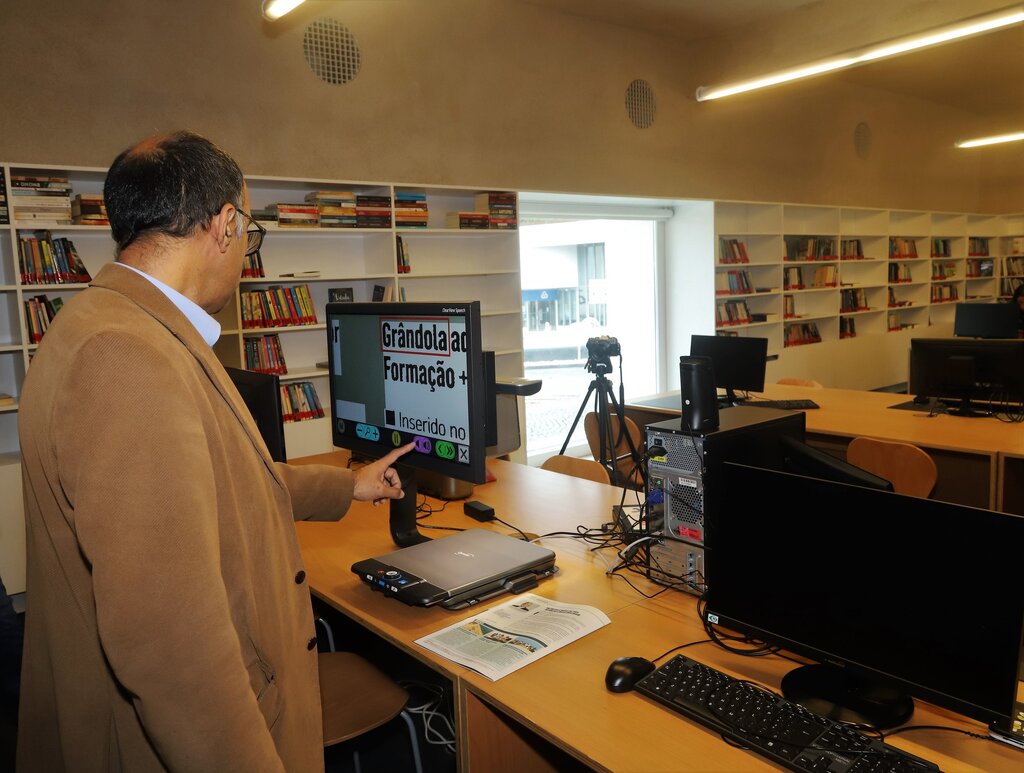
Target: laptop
point(459, 570)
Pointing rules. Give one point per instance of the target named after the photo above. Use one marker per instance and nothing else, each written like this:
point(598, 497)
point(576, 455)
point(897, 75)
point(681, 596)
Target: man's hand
point(379, 481)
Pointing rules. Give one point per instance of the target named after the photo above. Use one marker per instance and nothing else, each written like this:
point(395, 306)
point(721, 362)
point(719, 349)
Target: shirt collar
point(205, 325)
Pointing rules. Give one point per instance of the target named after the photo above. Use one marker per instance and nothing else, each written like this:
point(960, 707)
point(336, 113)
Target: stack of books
point(89, 209)
point(299, 402)
point(263, 354)
point(411, 209)
point(402, 255)
point(39, 313)
point(45, 260)
point(500, 208)
point(277, 307)
point(40, 200)
point(337, 208)
point(473, 220)
point(297, 215)
point(4, 214)
point(373, 211)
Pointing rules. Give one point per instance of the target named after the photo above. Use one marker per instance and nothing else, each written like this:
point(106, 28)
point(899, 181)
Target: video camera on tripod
point(600, 350)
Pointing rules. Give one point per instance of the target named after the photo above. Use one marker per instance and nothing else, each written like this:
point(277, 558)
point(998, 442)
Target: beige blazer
point(168, 620)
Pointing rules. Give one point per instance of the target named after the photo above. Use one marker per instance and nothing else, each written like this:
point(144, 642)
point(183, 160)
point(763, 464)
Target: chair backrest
point(624, 463)
point(578, 468)
point(910, 469)
point(800, 382)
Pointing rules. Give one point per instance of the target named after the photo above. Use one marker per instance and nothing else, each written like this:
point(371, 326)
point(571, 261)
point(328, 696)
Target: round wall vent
point(862, 140)
point(640, 103)
point(331, 51)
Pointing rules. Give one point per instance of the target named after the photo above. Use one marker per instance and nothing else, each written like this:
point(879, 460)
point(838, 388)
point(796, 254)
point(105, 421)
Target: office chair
point(628, 472)
point(800, 382)
point(578, 468)
point(910, 469)
point(356, 697)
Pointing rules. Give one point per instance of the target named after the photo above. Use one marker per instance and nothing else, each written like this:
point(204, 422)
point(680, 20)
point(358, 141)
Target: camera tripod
point(604, 396)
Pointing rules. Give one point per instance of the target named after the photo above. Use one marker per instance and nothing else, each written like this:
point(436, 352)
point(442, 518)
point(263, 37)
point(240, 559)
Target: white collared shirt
point(205, 325)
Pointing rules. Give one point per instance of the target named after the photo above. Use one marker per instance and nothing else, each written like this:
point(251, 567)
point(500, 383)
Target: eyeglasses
point(254, 234)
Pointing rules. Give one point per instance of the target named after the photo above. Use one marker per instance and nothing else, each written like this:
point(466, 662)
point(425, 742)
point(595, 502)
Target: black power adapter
point(478, 510)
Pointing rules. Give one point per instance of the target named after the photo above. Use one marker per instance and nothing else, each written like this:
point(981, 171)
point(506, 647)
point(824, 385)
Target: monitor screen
point(402, 372)
point(900, 593)
point(739, 362)
point(986, 320)
point(261, 393)
point(802, 459)
point(966, 369)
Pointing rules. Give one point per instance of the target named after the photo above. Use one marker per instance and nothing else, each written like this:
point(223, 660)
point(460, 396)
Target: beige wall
point(477, 92)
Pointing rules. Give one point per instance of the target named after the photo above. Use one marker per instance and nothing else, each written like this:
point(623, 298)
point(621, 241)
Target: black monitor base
point(404, 530)
point(845, 697)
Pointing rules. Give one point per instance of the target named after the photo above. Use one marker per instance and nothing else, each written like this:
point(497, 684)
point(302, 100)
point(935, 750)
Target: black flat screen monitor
point(968, 369)
point(739, 362)
point(261, 393)
point(901, 596)
point(802, 459)
point(402, 372)
point(986, 320)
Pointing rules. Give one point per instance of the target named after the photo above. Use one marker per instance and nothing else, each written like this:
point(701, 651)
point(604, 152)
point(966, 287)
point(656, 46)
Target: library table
point(555, 714)
point(980, 460)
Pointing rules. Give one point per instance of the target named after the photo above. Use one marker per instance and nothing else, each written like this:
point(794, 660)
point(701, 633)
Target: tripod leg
point(583, 405)
point(634, 454)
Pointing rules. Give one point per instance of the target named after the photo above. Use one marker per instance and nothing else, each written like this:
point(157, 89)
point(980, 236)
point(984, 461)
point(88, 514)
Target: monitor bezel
point(732, 347)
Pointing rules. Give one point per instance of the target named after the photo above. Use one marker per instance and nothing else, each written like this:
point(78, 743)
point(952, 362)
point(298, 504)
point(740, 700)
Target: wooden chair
point(800, 382)
point(357, 697)
point(910, 469)
point(578, 468)
point(626, 475)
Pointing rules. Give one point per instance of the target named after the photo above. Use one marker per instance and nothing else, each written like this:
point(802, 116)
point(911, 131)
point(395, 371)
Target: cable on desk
point(514, 528)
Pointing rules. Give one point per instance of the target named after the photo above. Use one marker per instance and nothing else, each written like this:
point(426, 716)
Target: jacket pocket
point(263, 680)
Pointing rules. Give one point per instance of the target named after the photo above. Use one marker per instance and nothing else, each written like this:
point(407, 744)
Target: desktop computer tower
point(683, 482)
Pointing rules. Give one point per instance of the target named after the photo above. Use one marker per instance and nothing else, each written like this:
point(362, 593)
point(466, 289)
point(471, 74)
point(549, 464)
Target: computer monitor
point(261, 393)
point(986, 320)
point(900, 596)
point(966, 370)
point(739, 362)
point(802, 459)
point(402, 372)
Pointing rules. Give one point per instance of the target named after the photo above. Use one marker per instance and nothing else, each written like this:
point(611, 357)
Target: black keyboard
point(786, 405)
point(761, 721)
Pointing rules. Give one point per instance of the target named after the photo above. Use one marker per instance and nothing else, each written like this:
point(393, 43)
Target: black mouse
point(623, 673)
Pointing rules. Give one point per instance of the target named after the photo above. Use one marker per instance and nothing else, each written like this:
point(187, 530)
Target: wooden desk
point(555, 714)
point(980, 460)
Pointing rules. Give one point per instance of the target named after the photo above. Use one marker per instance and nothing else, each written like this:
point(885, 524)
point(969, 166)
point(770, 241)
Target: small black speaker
point(699, 399)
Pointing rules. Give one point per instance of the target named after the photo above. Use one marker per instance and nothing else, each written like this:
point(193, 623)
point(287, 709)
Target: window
point(583, 278)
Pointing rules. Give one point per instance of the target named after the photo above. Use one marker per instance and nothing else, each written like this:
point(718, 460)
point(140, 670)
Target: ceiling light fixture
point(1014, 137)
point(275, 9)
point(972, 26)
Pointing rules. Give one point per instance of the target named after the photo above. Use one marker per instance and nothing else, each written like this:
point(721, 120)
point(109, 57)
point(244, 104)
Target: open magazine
point(507, 637)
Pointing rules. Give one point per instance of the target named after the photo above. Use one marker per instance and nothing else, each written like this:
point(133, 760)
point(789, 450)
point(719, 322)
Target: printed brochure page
point(501, 640)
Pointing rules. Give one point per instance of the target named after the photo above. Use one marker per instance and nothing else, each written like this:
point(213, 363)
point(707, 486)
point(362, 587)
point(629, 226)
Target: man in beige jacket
point(168, 621)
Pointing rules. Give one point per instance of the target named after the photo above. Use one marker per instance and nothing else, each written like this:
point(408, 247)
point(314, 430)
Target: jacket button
point(300, 577)
point(311, 644)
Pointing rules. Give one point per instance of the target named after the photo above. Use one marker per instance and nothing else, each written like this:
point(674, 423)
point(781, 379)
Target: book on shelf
point(977, 246)
point(793, 278)
point(941, 248)
point(4, 212)
point(847, 327)
point(411, 209)
point(733, 282)
point(945, 270)
point(45, 260)
point(800, 333)
point(731, 313)
point(851, 249)
point(39, 313)
point(402, 255)
point(89, 209)
point(468, 220)
point(296, 215)
point(500, 207)
point(980, 268)
point(300, 402)
point(373, 211)
point(800, 248)
point(252, 266)
point(277, 306)
point(732, 251)
point(337, 209)
point(340, 295)
point(39, 200)
point(300, 275)
point(902, 247)
point(944, 293)
point(263, 354)
point(382, 293)
point(852, 300)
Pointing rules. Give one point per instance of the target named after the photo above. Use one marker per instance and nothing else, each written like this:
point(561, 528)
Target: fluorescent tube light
point(973, 26)
point(275, 9)
point(1015, 137)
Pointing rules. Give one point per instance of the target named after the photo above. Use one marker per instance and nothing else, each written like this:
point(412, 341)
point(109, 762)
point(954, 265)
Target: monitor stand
point(729, 399)
point(967, 410)
point(840, 695)
point(404, 530)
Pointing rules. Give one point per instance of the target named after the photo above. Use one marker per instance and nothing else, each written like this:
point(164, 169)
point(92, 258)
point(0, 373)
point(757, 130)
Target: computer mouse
point(625, 672)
